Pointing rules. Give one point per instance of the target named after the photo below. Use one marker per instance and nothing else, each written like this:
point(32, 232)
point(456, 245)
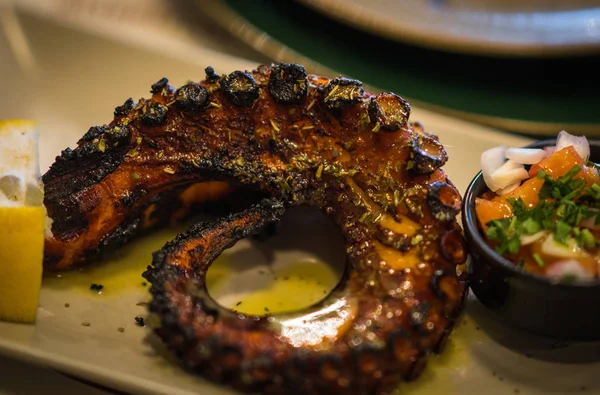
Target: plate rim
point(93, 373)
point(28, 353)
point(238, 26)
point(130, 383)
point(354, 16)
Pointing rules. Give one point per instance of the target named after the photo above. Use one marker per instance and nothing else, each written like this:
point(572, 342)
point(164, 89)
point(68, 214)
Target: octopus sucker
point(264, 141)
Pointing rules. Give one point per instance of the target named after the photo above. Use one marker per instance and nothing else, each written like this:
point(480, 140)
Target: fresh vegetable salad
point(541, 212)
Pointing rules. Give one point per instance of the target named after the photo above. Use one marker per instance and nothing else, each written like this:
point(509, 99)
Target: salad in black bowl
point(532, 222)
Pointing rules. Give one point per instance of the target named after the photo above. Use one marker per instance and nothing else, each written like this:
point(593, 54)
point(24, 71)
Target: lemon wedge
point(22, 221)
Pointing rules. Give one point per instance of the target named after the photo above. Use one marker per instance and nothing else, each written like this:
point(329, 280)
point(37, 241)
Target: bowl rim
point(471, 227)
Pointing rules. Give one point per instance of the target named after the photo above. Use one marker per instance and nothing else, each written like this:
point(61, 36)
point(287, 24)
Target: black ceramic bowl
point(568, 312)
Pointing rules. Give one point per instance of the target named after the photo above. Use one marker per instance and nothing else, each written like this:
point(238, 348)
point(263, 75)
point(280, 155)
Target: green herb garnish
point(563, 204)
point(562, 232)
point(538, 259)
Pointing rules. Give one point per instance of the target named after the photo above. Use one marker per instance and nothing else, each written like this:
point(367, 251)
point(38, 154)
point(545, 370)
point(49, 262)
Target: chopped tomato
point(532, 254)
point(529, 191)
point(560, 162)
point(488, 210)
point(498, 207)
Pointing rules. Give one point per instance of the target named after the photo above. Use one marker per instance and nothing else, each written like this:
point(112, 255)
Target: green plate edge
point(532, 96)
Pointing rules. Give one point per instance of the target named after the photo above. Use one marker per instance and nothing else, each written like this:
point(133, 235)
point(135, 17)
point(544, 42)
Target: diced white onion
point(509, 173)
point(504, 176)
point(508, 189)
point(528, 239)
point(570, 267)
point(491, 160)
point(580, 143)
point(553, 248)
point(511, 165)
point(526, 156)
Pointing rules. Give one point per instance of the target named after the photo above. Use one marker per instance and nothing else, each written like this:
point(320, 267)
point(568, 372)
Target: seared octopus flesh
point(297, 139)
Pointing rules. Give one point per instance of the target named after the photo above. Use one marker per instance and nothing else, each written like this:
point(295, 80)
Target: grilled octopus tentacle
point(299, 139)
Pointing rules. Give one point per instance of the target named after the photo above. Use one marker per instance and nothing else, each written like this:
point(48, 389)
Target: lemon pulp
point(22, 221)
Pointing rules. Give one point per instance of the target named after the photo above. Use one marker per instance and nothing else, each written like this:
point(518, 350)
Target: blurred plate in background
point(506, 27)
point(533, 96)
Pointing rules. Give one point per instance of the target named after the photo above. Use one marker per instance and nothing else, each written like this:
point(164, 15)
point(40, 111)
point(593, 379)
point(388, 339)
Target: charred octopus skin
point(298, 139)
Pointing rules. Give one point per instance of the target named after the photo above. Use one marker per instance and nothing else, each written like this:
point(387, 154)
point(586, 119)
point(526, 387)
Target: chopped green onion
point(530, 226)
point(514, 245)
point(538, 259)
point(562, 232)
point(587, 239)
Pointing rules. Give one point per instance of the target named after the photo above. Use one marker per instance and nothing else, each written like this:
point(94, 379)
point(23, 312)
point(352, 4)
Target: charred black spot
point(96, 156)
point(157, 273)
point(170, 319)
point(159, 85)
point(288, 83)
point(444, 201)
point(92, 133)
point(73, 220)
point(121, 235)
point(322, 132)
point(186, 167)
point(211, 76)
point(426, 154)
point(439, 347)
point(88, 155)
point(205, 303)
point(118, 134)
point(127, 200)
point(419, 314)
point(189, 336)
point(192, 96)
point(389, 110)
point(152, 144)
point(453, 246)
point(125, 108)
point(154, 114)
point(240, 88)
point(434, 283)
point(268, 232)
point(202, 353)
point(272, 145)
point(342, 92)
point(67, 178)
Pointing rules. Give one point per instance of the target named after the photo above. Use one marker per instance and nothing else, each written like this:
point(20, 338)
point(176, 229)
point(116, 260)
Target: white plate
point(507, 27)
point(76, 82)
